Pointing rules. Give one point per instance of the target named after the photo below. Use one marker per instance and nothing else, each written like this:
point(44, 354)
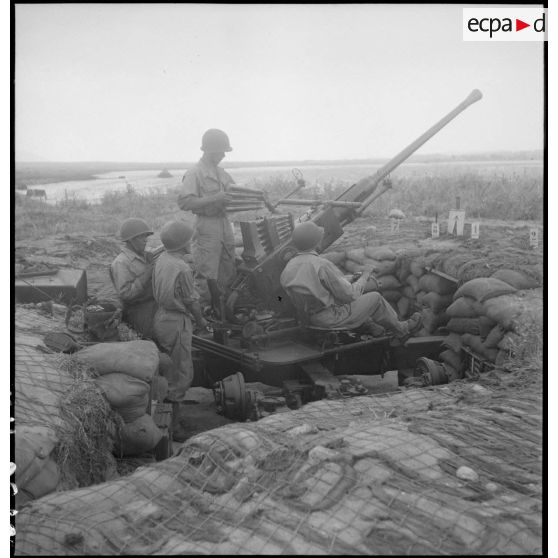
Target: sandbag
point(419, 297)
point(403, 307)
point(431, 321)
point(476, 344)
point(408, 292)
point(417, 269)
point(452, 358)
point(494, 337)
point(436, 302)
point(32, 443)
point(413, 282)
point(356, 255)
point(451, 264)
point(464, 325)
point(126, 394)
point(388, 283)
point(139, 359)
point(379, 253)
point(335, 257)
point(525, 307)
point(453, 342)
point(465, 307)
point(516, 279)
point(45, 481)
point(484, 288)
point(353, 267)
point(403, 269)
point(477, 268)
point(138, 437)
point(385, 267)
point(392, 295)
point(431, 282)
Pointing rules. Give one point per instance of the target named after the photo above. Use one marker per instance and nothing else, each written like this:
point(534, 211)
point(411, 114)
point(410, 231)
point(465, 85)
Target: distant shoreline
point(30, 173)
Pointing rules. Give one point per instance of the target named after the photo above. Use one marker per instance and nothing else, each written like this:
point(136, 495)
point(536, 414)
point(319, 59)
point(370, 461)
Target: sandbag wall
point(491, 315)
point(126, 372)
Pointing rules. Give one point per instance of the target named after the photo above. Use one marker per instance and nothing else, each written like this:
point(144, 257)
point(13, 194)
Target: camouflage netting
point(449, 470)
point(63, 422)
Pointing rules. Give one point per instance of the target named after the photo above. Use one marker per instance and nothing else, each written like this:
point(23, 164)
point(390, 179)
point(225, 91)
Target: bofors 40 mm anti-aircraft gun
point(262, 340)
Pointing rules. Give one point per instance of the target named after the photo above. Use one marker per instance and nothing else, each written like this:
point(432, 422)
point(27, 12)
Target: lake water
point(145, 181)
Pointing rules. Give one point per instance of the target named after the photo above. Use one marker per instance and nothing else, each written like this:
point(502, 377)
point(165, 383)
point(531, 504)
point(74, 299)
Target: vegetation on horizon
point(489, 195)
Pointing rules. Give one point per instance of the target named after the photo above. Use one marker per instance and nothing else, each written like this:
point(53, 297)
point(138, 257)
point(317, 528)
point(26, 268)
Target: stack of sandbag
point(480, 317)
point(435, 294)
point(42, 389)
point(337, 257)
point(125, 373)
point(408, 273)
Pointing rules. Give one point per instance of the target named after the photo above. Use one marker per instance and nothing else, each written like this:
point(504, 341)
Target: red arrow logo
point(519, 25)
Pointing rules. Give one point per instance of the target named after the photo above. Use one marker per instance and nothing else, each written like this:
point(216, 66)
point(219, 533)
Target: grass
point(489, 192)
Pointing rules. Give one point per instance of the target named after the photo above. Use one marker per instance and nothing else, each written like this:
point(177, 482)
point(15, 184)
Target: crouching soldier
point(131, 273)
point(178, 305)
point(325, 299)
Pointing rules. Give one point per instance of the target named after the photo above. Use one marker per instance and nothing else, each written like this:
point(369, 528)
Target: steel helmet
point(215, 141)
point(175, 235)
point(307, 235)
point(133, 227)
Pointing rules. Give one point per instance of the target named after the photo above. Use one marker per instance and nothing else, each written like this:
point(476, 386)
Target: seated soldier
point(325, 299)
point(178, 302)
point(130, 273)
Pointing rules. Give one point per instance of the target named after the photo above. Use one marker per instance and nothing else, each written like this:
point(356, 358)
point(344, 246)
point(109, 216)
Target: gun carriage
point(259, 335)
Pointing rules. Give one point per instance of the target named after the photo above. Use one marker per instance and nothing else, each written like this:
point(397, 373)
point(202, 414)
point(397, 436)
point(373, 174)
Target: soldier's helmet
point(215, 141)
point(307, 235)
point(176, 235)
point(133, 227)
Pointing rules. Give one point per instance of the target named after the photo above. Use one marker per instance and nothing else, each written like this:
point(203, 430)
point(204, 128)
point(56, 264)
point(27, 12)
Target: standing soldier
point(177, 300)
point(130, 273)
point(204, 192)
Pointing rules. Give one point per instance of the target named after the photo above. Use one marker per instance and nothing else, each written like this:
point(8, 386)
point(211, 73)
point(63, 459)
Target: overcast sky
point(143, 82)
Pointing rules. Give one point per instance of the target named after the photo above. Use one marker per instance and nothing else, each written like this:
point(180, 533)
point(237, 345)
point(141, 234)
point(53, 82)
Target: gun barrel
point(332, 203)
point(363, 190)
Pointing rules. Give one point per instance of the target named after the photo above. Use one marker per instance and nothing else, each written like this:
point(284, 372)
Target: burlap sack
point(139, 359)
point(356, 255)
point(126, 394)
point(494, 337)
point(483, 288)
point(516, 279)
point(138, 437)
point(392, 296)
point(413, 282)
point(379, 253)
point(434, 283)
point(389, 283)
point(465, 307)
point(452, 358)
point(335, 257)
point(453, 342)
point(417, 270)
point(384, 267)
point(436, 302)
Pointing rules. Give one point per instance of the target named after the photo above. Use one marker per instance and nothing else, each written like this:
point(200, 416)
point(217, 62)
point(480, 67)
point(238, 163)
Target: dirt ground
point(94, 254)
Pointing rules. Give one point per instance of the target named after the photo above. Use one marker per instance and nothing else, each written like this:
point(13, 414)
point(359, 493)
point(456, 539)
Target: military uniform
point(213, 241)
point(173, 288)
point(324, 298)
point(131, 276)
